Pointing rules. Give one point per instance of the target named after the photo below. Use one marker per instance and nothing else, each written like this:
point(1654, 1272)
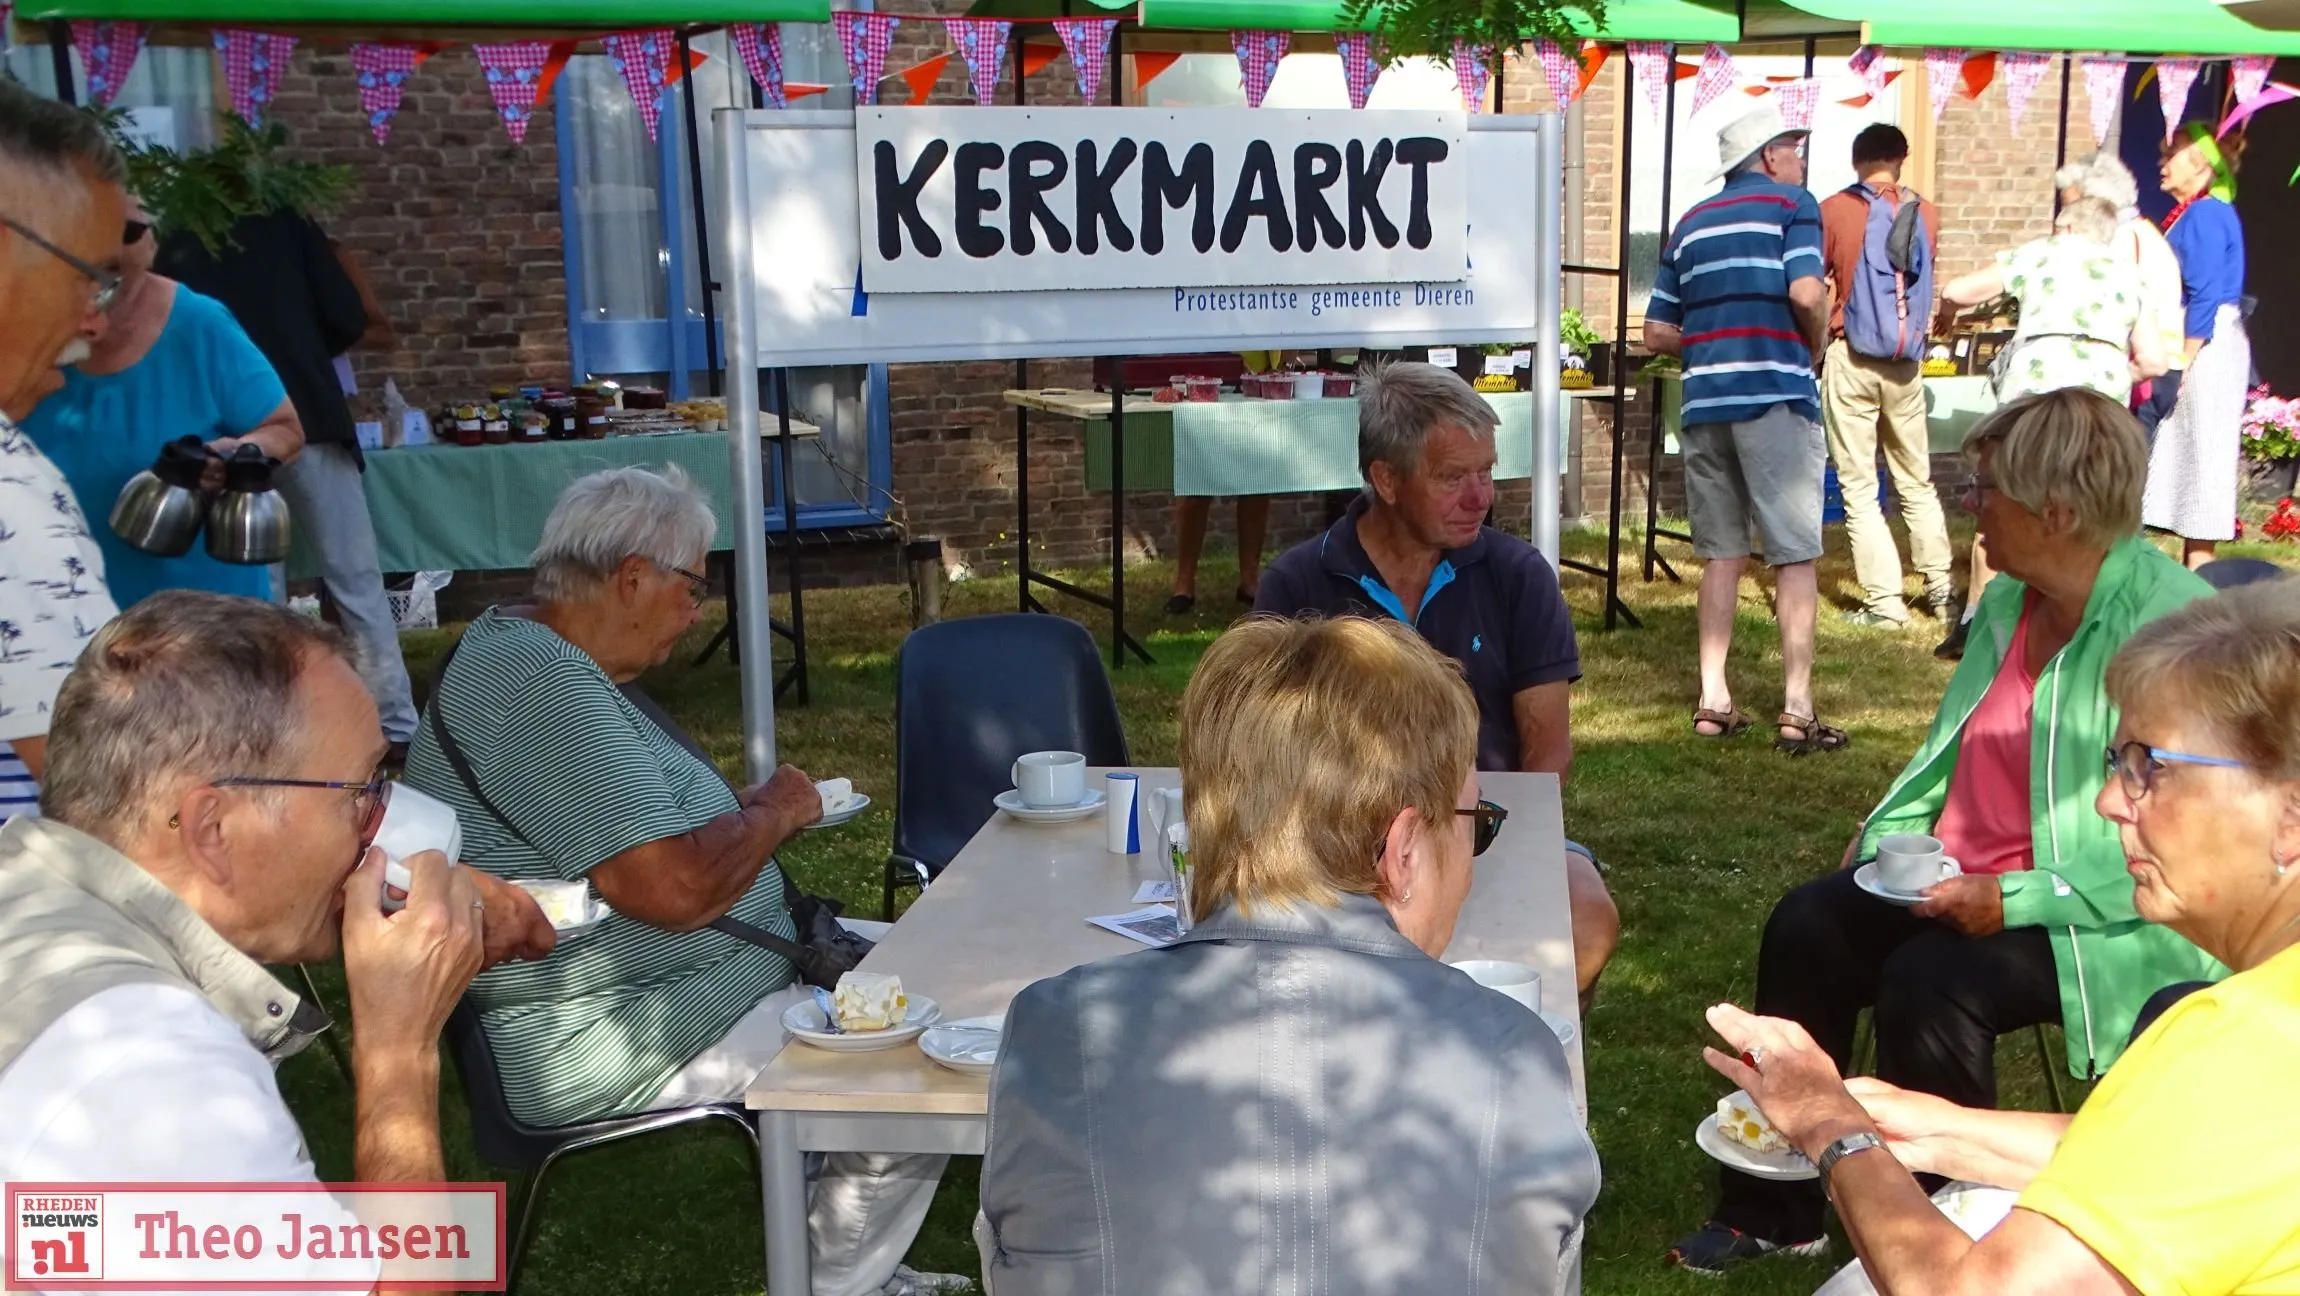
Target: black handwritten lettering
point(1258, 194)
point(976, 198)
point(1026, 190)
point(1316, 168)
point(898, 201)
point(1163, 186)
point(1420, 153)
point(1098, 199)
point(1365, 195)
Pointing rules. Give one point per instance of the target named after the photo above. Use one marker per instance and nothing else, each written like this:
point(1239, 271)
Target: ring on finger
point(1754, 1057)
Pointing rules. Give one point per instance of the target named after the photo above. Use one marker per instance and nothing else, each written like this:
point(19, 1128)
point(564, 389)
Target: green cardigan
point(2109, 959)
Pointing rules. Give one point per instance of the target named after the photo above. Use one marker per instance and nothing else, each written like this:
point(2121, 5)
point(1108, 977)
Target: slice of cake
point(564, 904)
point(837, 794)
point(1739, 1120)
point(870, 1001)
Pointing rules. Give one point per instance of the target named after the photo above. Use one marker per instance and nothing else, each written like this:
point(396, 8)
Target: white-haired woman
point(563, 779)
point(2080, 309)
point(2177, 1174)
point(2142, 246)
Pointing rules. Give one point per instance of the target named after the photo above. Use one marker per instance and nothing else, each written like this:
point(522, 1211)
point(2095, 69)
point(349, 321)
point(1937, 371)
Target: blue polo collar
point(1342, 554)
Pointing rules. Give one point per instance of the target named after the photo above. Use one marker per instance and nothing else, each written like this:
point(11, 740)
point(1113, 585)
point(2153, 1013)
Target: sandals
point(1729, 723)
point(1812, 736)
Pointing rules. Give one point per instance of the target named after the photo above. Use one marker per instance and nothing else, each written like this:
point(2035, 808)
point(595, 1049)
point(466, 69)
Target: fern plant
point(207, 192)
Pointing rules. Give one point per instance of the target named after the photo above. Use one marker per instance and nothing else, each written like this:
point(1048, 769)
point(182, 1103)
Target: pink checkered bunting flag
point(865, 37)
point(108, 53)
point(2174, 76)
point(761, 47)
point(1798, 99)
point(1868, 63)
point(2103, 86)
point(1470, 74)
point(1650, 60)
point(2248, 75)
point(383, 71)
point(1942, 68)
point(644, 59)
point(1560, 68)
point(1088, 40)
point(1359, 70)
point(1259, 53)
point(1716, 77)
point(514, 73)
point(2023, 72)
point(253, 64)
point(983, 42)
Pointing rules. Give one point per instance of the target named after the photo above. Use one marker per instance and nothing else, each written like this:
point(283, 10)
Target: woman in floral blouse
point(2079, 308)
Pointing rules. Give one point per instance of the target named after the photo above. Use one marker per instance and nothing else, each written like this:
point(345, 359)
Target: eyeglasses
point(2135, 765)
point(1490, 818)
point(1977, 486)
point(368, 800)
point(133, 232)
point(107, 283)
point(697, 586)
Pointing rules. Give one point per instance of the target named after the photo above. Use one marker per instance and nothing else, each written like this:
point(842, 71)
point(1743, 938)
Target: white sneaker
point(910, 1282)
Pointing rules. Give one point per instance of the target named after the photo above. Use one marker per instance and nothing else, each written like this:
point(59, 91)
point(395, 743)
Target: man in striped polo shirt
point(1740, 296)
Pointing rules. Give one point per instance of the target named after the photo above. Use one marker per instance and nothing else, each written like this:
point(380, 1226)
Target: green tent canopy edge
point(428, 14)
point(1669, 20)
point(2198, 27)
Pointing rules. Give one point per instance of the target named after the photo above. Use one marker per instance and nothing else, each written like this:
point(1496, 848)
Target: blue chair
point(971, 695)
point(2228, 573)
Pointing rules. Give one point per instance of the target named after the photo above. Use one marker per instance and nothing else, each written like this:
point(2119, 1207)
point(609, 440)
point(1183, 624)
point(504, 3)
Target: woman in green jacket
point(2040, 925)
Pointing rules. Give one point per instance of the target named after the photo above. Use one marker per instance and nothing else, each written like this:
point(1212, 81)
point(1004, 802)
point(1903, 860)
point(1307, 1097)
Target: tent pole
point(1614, 607)
point(754, 636)
point(60, 58)
point(702, 218)
point(2060, 146)
point(1548, 399)
point(1653, 416)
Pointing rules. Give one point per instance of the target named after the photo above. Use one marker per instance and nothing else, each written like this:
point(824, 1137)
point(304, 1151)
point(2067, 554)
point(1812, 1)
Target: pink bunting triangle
point(514, 73)
point(1715, 79)
point(2173, 78)
point(382, 71)
point(1359, 70)
point(760, 46)
point(1943, 68)
point(2023, 72)
point(1650, 61)
point(983, 42)
point(1868, 63)
point(1470, 74)
point(1798, 99)
point(1560, 70)
point(253, 64)
point(108, 53)
point(1088, 43)
point(1259, 53)
point(2103, 86)
point(865, 37)
point(644, 59)
point(2248, 75)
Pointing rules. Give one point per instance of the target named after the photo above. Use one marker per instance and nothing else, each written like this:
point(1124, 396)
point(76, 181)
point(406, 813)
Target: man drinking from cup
point(1983, 895)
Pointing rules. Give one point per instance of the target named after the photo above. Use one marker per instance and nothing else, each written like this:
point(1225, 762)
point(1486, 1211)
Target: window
point(170, 92)
point(634, 275)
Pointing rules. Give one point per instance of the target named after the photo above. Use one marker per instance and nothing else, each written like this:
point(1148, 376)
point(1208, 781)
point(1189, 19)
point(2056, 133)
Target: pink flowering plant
point(2271, 426)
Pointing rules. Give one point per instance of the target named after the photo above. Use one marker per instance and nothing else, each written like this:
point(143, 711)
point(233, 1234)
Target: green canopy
point(2128, 26)
point(1669, 20)
point(553, 14)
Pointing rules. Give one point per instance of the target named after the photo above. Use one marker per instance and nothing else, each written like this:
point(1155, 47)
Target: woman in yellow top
point(2179, 1175)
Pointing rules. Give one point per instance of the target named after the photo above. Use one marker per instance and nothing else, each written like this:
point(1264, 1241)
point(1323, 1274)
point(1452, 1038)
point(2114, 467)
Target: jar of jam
point(470, 428)
point(534, 425)
point(495, 427)
point(590, 414)
point(560, 411)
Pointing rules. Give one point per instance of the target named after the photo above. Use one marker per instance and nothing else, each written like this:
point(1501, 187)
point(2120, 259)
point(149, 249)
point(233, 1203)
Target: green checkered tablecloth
point(1241, 446)
point(481, 508)
point(1952, 406)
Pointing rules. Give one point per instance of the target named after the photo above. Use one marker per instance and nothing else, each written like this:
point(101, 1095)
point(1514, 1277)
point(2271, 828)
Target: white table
point(1011, 910)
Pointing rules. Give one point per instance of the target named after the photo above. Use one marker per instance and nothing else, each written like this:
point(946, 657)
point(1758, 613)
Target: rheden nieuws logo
point(241, 1236)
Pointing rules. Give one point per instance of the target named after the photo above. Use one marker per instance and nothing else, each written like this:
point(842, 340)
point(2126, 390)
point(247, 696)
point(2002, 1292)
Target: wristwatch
point(1843, 1148)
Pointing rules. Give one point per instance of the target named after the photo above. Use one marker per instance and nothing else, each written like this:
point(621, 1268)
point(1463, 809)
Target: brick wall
point(1994, 185)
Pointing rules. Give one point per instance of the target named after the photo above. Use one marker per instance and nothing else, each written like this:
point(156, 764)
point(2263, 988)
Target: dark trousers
point(2163, 394)
point(1940, 999)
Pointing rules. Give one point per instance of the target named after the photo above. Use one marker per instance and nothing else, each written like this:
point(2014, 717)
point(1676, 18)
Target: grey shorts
point(1762, 475)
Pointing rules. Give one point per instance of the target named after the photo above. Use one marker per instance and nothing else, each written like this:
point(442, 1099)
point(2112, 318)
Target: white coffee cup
point(1051, 780)
point(1910, 862)
point(1519, 981)
point(412, 823)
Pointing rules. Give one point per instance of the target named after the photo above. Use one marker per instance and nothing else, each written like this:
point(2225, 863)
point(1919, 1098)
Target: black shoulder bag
point(824, 951)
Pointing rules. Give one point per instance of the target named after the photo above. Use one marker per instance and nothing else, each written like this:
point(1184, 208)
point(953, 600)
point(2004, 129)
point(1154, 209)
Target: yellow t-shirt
point(2183, 1168)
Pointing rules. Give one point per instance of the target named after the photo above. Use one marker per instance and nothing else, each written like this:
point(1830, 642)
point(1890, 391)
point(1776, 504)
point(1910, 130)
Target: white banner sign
point(1030, 199)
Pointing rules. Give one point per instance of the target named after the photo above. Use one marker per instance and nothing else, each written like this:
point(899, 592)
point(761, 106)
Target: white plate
point(805, 1020)
point(969, 1045)
point(1865, 877)
point(1561, 1024)
point(833, 818)
point(1011, 802)
point(1790, 1164)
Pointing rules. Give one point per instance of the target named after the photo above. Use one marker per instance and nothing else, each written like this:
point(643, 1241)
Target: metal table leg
point(783, 1188)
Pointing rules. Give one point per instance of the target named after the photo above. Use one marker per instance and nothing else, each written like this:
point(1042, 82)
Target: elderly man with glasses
point(212, 790)
point(60, 219)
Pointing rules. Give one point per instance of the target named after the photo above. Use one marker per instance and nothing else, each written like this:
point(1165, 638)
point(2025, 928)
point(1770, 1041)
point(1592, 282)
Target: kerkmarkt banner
point(959, 200)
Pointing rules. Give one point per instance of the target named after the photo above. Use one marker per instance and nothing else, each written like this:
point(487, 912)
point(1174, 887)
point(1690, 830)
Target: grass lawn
point(1701, 837)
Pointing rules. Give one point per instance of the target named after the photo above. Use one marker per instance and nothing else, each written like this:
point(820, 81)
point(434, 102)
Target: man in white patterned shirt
point(61, 212)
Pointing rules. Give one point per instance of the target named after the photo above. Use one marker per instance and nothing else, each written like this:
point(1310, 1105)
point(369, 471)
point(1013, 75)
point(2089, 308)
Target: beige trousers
point(1869, 405)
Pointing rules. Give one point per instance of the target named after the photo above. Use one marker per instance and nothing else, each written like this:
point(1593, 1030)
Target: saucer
point(1865, 877)
point(1011, 802)
point(833, 818)
point(969, 1045)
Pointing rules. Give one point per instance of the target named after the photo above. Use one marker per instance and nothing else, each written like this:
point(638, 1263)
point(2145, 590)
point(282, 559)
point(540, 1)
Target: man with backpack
point(1878, 240)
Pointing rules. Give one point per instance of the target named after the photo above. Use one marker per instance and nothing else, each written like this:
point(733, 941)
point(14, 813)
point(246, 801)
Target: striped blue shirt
point(1724, 284)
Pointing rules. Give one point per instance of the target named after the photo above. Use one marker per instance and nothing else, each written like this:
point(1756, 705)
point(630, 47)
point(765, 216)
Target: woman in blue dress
point(2193, 467)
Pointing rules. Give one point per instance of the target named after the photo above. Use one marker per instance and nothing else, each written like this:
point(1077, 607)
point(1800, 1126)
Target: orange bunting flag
point(1036, 57)
point(695, 59)
point(1980, 69)
point(561, 51)
point(1149, 63)
point(1592, 58)
point(1684, 71)
point(921, 79)
point(801, 89)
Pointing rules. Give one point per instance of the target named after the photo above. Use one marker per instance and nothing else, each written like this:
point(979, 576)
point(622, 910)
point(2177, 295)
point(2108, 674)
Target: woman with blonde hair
point(2177, 1174)
point(1298, 1096)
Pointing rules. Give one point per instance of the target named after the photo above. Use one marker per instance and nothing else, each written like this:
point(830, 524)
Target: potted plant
point(205, 194)
point(1501, 378)
point(2271, 445)
point(1585, 358)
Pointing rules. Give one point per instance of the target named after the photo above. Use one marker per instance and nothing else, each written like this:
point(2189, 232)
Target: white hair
point(1401, 403)
point(2100, 175)
point(615, 514)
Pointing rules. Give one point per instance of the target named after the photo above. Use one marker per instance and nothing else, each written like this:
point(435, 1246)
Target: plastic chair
point(503, 1139)
point(2228, 573)
point(971, 695)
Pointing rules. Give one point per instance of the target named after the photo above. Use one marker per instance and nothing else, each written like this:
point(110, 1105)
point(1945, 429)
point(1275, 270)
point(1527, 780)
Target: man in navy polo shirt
point(1415, 546)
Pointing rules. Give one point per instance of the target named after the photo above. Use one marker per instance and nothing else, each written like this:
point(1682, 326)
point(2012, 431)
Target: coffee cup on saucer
point(1910, 862)
point(1051, 780)
point(1520, 981)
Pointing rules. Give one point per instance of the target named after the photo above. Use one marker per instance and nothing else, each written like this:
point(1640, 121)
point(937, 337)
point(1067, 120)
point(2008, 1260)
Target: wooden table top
point(1012, 909)
point(1079, 402)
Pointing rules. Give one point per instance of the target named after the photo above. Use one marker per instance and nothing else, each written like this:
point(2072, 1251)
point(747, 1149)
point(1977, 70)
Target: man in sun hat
point(1740, 295)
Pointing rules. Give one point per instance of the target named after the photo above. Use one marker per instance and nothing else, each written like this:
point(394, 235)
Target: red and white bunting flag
point(1088, 43)
point(253, 64)
point(382, 71)
point(760, 45)
point(1470, 74)
point(983, 42)
point(1259, 54)
point(2103, 86)
point(1560, 70)
point(1798, 99)
point(1359, 70)
point(1868, 63)
point(644, 60)
point(2023, 71)
point(1650, 61)
point(2248, 75)
point(2174, 76)
point(514, 73)
point(108, 53)
point(865, 37)
point(1715, 77)
point(1943, 68)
